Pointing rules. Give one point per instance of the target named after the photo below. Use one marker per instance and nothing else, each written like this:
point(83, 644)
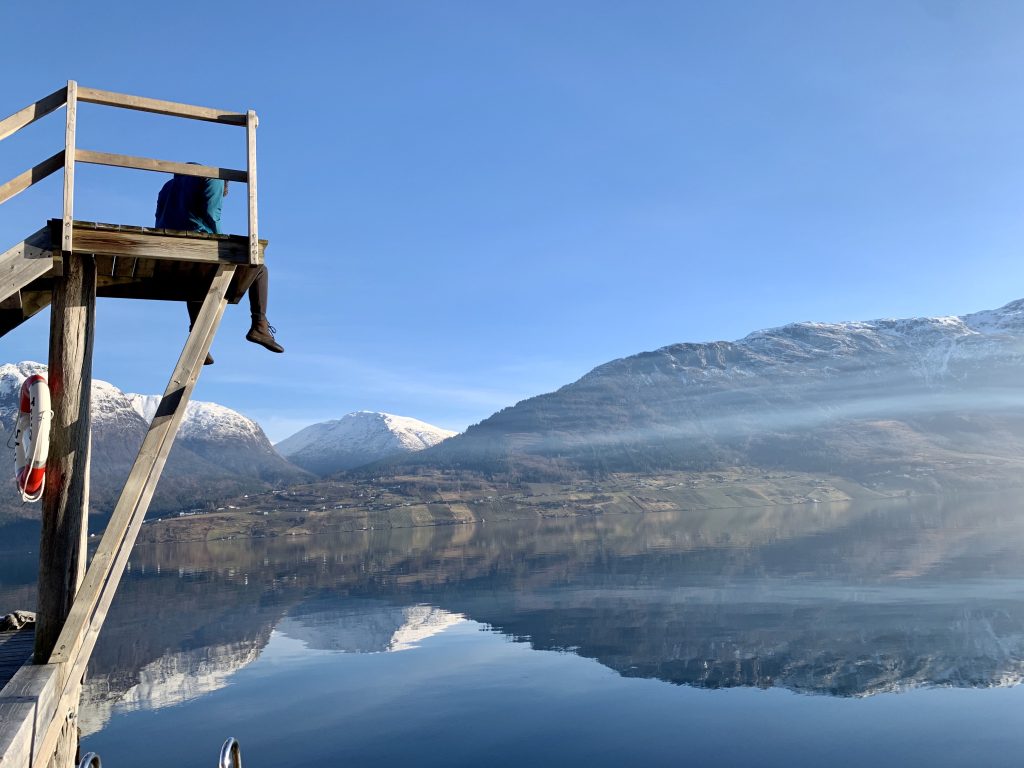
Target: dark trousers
point(257, 297)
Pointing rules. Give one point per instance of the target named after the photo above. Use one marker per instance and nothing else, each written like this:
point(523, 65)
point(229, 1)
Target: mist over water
point(843, 633)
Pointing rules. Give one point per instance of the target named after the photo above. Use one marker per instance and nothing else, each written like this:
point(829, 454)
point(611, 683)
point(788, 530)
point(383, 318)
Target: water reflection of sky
point(610, 641)
point(468, 696)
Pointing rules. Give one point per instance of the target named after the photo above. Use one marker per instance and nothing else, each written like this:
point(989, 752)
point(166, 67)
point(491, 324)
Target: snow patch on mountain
point(203, 420)
point(358, 438)
point(218, 452)
point(12, 375)
point(932, 344)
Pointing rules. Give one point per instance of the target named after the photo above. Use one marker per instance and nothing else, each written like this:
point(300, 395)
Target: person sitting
point(193, 204)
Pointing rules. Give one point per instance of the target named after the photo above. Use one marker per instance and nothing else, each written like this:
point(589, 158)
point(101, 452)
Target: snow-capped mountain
point(170, 680)
point(218, 451)
point(203, 421)
point(356, 439)
point(923, 396)
point(174, 677)
point(366, 626)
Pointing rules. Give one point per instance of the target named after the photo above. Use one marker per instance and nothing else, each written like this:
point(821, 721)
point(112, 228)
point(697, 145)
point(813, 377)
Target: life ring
point(32, 438)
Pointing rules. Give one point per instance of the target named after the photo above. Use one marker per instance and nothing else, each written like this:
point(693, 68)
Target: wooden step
point(24, 262)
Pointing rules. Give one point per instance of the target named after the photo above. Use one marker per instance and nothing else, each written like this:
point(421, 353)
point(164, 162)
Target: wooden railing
point(41, 716)
point(71, 95)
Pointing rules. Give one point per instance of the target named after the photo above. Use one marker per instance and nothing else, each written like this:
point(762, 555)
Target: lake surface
point(881, 634)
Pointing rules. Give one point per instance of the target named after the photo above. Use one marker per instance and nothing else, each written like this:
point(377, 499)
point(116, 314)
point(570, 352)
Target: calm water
point(840, 635)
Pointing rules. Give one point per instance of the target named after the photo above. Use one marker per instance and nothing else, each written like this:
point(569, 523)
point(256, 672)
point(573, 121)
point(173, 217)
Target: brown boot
point(262, 333)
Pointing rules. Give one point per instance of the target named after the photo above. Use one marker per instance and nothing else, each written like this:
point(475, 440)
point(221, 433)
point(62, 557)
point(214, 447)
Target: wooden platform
point(70, 263)
point(15, 651)
point(131, 263)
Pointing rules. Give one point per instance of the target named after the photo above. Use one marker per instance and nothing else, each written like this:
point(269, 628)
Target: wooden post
point(66, 496)
point(251, 121)
point(62, 546)
point(70, 127)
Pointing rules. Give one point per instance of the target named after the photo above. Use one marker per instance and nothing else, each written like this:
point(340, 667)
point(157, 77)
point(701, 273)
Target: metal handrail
point(230, 754)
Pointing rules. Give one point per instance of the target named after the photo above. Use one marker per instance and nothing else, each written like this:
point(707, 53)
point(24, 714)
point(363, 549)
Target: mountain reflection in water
point(841, 600)
point(844, 600)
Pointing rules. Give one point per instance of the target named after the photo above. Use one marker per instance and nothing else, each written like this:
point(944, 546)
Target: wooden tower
point(65, 265)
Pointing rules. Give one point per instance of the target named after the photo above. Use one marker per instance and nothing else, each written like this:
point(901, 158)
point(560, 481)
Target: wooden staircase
point(66, 265)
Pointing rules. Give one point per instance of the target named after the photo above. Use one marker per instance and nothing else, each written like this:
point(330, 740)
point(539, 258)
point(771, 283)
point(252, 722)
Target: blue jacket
point(190, 204)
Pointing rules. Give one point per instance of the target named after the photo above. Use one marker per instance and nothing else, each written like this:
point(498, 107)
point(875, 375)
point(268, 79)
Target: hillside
point(218, 453)
point(924, 403)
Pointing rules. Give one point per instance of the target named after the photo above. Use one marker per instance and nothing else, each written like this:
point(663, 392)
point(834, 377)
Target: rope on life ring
point(32, 438)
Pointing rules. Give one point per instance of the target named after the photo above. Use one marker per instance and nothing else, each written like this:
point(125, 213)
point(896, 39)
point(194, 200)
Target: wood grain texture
point(66, 495)
point(28, 260)
point(151, 245)
point(160, 107)
point(37, 173)
point(255, 257)
point(15, 652)
point(70, 128)
point(16, 734)
point(34, 685)
point(163, 166)
point(31, 113)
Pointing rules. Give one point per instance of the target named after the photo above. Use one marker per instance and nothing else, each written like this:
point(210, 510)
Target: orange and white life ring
point(32, 438)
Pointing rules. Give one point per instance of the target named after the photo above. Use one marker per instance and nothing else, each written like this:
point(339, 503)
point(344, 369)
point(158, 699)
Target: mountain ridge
point(356, 439)
point(860, 398)
point(200, 468)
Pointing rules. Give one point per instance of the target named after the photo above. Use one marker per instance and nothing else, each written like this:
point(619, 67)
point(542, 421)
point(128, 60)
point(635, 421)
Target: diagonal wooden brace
point(78, 637)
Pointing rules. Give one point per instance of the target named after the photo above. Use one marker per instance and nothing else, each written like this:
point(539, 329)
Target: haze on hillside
point(473, 204)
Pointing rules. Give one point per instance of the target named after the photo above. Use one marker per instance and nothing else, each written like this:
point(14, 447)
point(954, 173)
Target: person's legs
point(193, 313)
point(261, 333)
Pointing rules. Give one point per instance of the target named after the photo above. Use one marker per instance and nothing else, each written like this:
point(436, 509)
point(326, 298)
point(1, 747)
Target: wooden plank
point(22, 263)
point(31, 113)
point(104, 282)
point(160, 107)
point(71, 116)
point(35, 174)
point(11, 319)
point(149, 290)
point(104, 265)
point(34, 302)
point(16, 728)
point(163, 166)
point(150, 245)
point(62, 547)
point(250, 143)
point(99, 226)
point(81, 630)
point(124, 266)
point(172, 285)
point(146, 268)
point(65, 512)
point(36, 685)
point(15, 652)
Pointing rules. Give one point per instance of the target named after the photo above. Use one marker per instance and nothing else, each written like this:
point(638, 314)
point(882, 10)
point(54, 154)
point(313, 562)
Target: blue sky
point(469, 203)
